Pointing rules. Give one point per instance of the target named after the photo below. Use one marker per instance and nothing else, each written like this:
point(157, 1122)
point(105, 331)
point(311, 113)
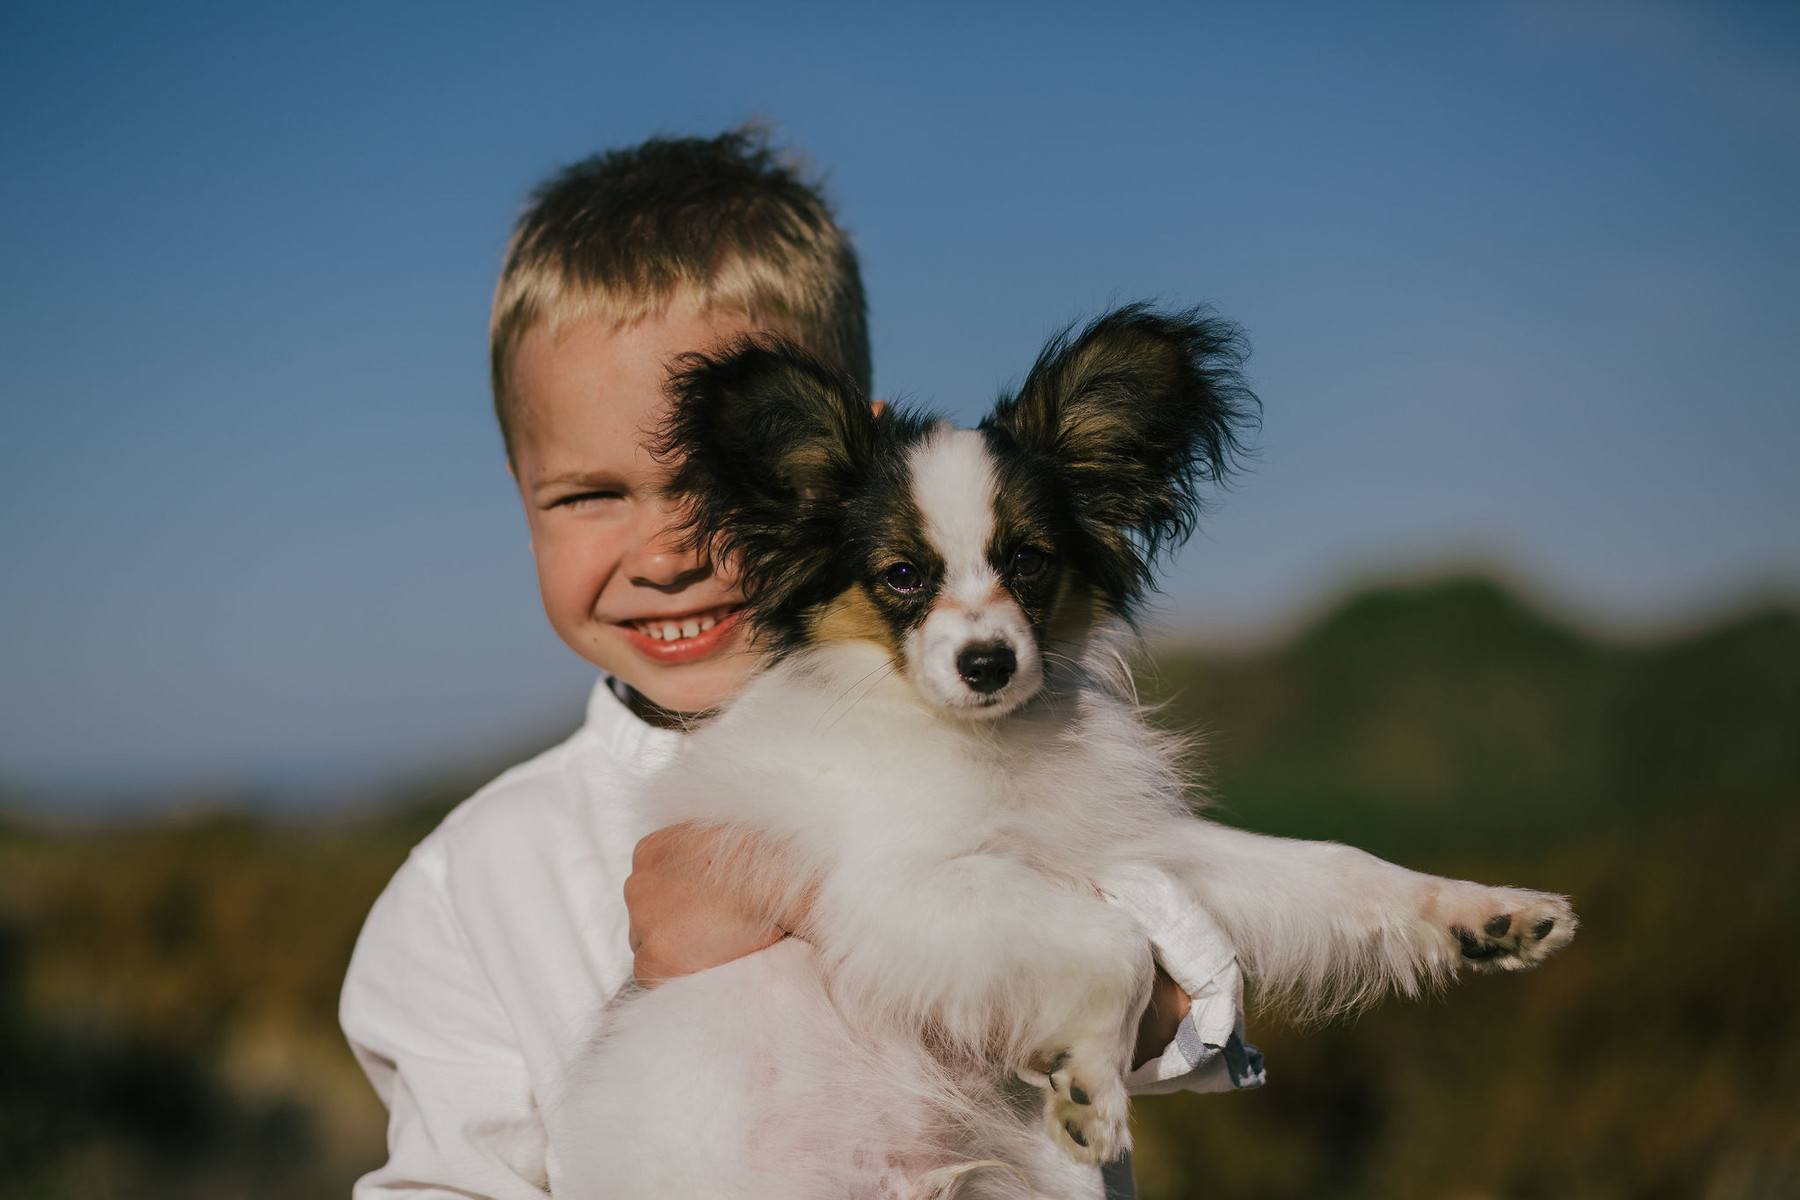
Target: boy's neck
point(651, 713)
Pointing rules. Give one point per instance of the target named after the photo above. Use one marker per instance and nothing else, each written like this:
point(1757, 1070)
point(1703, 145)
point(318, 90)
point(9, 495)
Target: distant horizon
point(372, 791)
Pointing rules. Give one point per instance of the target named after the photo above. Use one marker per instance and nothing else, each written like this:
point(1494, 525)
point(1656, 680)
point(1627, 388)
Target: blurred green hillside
point(1453, 728)
point(167, 990)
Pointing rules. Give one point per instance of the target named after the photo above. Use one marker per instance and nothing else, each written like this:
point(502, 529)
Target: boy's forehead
point(595, 376)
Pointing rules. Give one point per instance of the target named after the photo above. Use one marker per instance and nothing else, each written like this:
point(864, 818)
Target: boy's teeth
point(674, 631)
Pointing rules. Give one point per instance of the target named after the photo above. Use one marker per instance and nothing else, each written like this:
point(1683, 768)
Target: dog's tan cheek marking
point(853, 617)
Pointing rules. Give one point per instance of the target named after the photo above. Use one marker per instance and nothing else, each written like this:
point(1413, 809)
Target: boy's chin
point(695, 692)
point(684, 684)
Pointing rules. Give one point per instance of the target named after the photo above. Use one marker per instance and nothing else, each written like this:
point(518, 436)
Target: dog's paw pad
point(1530, 927)
point(1477, 949)
point(1086, 1119)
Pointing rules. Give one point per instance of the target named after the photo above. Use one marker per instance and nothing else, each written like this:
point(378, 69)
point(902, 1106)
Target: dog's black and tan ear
point(1134, 415)
point(766, 442)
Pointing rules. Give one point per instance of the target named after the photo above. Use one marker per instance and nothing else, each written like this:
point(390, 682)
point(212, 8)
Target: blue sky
point(1522, 281)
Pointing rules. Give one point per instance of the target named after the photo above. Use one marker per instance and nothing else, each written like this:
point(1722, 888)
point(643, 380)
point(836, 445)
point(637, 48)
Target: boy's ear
point(1134, 415)
point(767, 443)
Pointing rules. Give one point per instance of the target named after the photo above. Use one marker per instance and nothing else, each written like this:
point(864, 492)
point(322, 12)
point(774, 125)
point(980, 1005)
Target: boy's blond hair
point(725, 219)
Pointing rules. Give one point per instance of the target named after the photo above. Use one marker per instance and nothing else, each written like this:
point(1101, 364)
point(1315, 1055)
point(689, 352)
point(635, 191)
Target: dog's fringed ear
point(1135, 415)
point(766, 442)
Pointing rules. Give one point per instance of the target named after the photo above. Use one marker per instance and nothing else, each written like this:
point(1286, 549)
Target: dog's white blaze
point(954, 487)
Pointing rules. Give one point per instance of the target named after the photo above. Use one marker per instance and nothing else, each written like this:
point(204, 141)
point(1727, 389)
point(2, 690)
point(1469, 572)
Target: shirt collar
point(635, 743)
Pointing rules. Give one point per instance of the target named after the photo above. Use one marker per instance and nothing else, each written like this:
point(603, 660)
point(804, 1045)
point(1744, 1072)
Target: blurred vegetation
point(1454, 729)
point(168, 990)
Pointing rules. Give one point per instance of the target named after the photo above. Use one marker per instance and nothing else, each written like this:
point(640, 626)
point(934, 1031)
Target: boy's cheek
point(566, 585)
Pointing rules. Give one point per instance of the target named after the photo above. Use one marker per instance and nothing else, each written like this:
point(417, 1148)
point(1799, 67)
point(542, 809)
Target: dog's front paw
point(1085, 1111)
point(1508, 929)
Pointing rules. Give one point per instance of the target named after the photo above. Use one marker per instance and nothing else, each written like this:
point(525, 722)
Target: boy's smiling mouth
point(683, 638)
point(673, 629)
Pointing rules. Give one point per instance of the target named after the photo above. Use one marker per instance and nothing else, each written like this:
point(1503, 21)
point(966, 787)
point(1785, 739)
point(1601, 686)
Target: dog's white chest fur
point(959, 933)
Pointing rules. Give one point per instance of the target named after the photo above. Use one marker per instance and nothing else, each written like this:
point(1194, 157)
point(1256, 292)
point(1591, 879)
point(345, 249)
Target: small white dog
point(945, 747)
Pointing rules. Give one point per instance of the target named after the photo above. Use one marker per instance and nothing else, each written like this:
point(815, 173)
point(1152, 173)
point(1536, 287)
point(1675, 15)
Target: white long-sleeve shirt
point(486, 963)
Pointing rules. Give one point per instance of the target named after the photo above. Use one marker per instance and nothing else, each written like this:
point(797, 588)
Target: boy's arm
point(427, 1028)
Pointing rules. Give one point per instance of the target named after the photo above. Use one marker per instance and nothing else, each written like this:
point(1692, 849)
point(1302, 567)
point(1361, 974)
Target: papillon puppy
point(944, 749)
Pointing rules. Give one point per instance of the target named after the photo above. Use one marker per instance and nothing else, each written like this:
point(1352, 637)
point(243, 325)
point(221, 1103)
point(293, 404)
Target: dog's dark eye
point(903, 577)
point(1029, 562)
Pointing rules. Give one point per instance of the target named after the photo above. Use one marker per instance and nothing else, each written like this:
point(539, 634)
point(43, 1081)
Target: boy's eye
point(1029, 562)
point(580, 498)
point(903, 577)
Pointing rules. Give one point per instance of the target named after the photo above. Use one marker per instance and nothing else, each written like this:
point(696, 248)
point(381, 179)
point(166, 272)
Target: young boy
point(488, 959)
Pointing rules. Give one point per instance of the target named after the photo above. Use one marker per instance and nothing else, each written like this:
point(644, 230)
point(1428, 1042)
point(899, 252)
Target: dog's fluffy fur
point(944, 749)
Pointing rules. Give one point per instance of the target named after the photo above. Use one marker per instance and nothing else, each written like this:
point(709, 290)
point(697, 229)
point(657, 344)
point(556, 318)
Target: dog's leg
point(1327, 927)
point(1083, 1068)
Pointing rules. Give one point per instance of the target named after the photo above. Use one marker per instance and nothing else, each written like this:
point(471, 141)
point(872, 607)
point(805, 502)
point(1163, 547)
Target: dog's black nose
point(987, 666)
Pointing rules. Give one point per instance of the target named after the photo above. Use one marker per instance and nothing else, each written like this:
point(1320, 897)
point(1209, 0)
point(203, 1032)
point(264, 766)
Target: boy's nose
point(659, 560)
point(675, 582)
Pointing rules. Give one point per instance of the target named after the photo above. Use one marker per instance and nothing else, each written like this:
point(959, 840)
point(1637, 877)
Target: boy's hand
point(686, 915)
point(1162, 1017)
